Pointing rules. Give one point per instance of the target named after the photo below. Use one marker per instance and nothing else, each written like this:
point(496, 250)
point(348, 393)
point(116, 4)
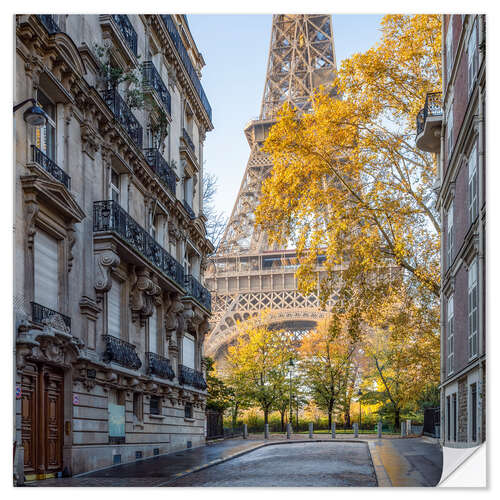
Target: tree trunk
point(282, 413)
point(234, 415)
point(330, 411)
point(396, 419)
point(347, 418)
point(266, 415)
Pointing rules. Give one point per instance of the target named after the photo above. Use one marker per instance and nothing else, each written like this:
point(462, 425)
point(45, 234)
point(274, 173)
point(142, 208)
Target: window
point(115, 186)
point(188, 351)
point(473, 309)
point(448, 418)
point(449, 48)
point(188, 410)
point(114, 297)
point(472, 57)
point(45, 137)
point(153, 331)
point(155, 405)
point(449, 236)
point(116, 416)
point(454, 399)
point(138, 406)
point(187, 263)
point(473, 409)
point(46, 260)
point(449, 133)
point(473, 201)
point(450, 348)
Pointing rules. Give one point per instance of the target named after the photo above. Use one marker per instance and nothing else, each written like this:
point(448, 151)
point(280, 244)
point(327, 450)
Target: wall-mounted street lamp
point(34, 115)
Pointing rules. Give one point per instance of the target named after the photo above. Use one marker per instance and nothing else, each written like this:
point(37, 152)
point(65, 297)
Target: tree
point(216, 221)
point(219, 394)
point(257, 364)
point(349, 183)
point(326, 362)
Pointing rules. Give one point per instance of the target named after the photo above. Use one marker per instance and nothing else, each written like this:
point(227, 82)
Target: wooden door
point(29, 384)
point(53, 421)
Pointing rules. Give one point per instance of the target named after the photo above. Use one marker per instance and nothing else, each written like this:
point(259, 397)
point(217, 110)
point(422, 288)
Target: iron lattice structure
point(248, 275)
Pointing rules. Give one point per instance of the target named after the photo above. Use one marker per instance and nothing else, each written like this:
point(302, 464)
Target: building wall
point(90, 144)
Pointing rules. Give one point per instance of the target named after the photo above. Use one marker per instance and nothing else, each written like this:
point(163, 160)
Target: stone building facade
point(452, 125)
point(110, 242)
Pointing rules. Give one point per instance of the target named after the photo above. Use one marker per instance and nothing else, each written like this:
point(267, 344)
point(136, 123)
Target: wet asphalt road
point(294, 464)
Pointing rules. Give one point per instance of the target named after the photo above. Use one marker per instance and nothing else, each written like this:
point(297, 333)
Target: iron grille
point(127, 30)
point(189, 210)
point(50, 166)
point(186, 61)
point(433, 107)
point(124, 115)
point(198, 292)
point(187, 139)
point(162, 169)
point(160, 366)
point(110, 216)
point(153, 80)
point(48, 22)
point(40, 313)
point(191, 377)
point(121, 352)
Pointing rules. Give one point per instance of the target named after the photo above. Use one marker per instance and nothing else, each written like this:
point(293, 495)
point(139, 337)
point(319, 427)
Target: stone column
point(333, 430)
point(379, 430)
point(245, 431)
point(355, 428)
point(288, 430)
point(310, 430)
point(403, 428)
point(266, 431)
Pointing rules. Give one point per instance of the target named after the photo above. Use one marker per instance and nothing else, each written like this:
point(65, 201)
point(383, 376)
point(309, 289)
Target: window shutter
point(188, 351)
point(46, 271)
point(114, 308)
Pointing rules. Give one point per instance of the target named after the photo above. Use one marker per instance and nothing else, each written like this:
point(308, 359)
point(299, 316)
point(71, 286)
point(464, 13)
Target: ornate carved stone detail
point(144, 293)
point(32, 210)
point(104, 263)
point(90, 140)
point(71, 243)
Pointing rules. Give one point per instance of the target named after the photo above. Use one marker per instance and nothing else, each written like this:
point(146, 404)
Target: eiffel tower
point(247, 274)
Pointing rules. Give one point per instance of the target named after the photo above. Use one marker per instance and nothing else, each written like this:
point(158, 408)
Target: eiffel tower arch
point(248, 275)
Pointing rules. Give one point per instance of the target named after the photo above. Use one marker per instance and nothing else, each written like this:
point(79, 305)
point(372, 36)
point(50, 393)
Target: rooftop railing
point(127, 30)
point(174, 35)
point(40, 158)
point(153, 80)
point(110, 216)
point(162, 169)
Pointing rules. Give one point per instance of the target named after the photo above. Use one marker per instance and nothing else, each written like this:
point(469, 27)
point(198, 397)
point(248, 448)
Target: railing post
point(245, 431)
point(355, 429)
point(333, 430)
point(266, 431)
point(288, 430)
point(379, 430)
point(310, 430)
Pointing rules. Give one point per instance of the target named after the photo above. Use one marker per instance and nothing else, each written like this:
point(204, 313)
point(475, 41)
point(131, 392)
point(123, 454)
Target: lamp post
point(290, 369)
point(359, 399)
point(34, 115)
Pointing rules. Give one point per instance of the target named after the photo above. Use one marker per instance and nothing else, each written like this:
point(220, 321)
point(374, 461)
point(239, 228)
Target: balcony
point(186, 61)
point(188, 140)
point(189, 210)
point(127, 30)
point(40, 313)
point(161, 168)
point(120, 352)
point(49, 24)
point(188, 376)
point(109, 216)
point(429, 121)
point(159, 366)
point(124, 115)
point(41, 159)
point(153, 81)
point(196, 290)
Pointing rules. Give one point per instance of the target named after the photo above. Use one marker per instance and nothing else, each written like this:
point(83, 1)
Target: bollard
point(245, 431)
point(379, 430)
point(356, 429)
point(310, 430)
point(333, 430)
point(403, 429)
point(288, 430)
point(408, 427)
point(266, 431)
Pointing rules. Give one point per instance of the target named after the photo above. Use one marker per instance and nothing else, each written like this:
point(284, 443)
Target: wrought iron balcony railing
point(48, 21)
point(124, 115)
point(187, 139)
point(121, 352)
point(433, 107)
point(162, 169)
point(191, 377)
point(189, 209)
point(196, 290)
point(41, 313)
point(152, 79)
point(160, 366)
point(40, 158)
point(110, 216)
point(186, 61)
point(127, 30)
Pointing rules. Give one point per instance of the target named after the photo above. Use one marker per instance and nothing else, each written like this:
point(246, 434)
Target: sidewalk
point(397, 462)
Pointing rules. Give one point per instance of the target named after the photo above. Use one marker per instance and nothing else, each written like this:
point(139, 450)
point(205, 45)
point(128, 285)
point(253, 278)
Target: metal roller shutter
point(46, 270)
point(114, 308)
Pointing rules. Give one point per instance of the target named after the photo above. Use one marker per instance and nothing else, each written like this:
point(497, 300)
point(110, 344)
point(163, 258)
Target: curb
point(262, 445)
